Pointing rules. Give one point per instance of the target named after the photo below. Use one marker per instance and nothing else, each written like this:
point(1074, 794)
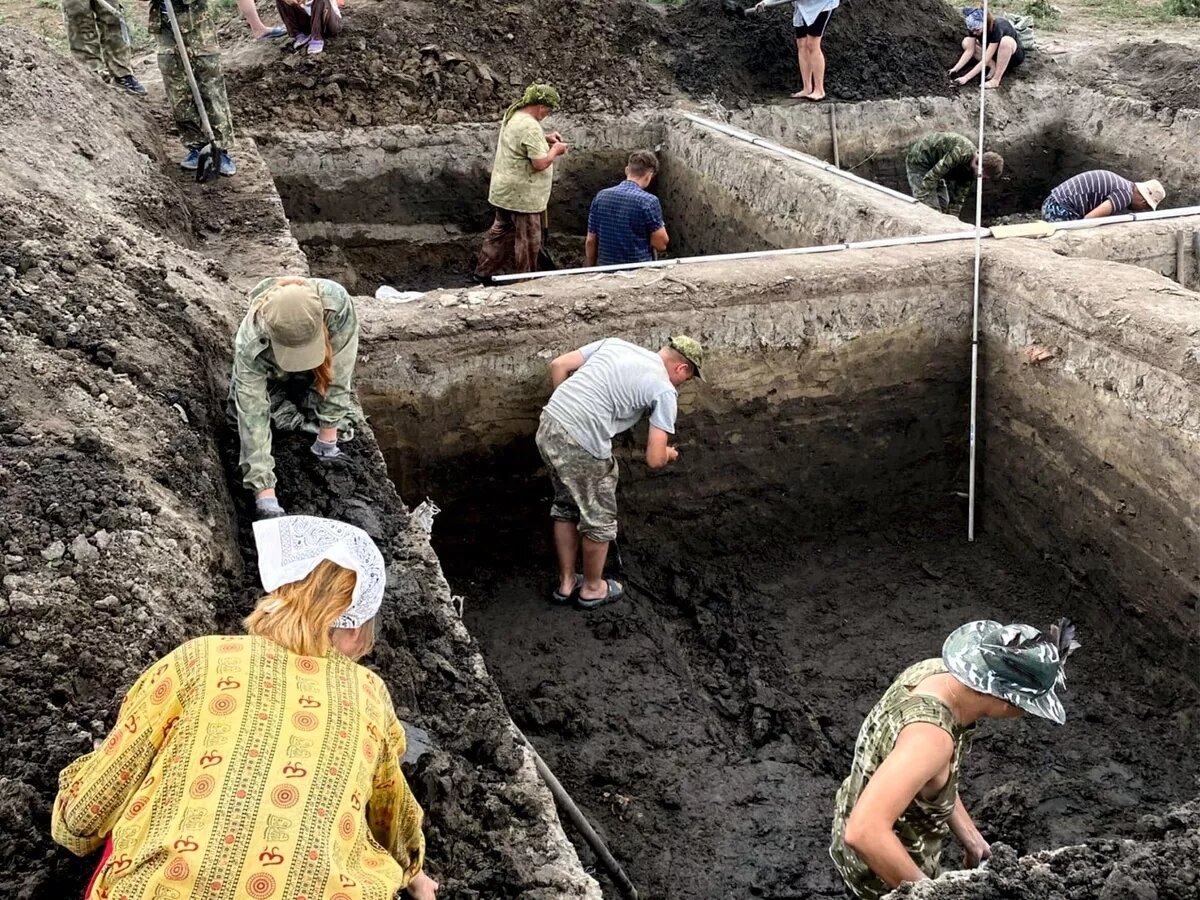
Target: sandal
point(557, 597)
point(615, 593)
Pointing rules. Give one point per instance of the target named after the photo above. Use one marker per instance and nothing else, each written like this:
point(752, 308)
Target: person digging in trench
point(241, 764)
point(1098, 193)
point(1004, 51)
point(600, 390)
point(942, 166)
point(522, 177)
point(293, 361)
point(901, 800)
point(309, 22)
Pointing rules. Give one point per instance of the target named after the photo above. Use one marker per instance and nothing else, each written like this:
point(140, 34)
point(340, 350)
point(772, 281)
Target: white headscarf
point(290, 547)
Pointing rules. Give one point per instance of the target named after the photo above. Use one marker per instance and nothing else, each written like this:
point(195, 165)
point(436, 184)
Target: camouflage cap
point(689, 349)
point(1016, 663)
point(294, 318)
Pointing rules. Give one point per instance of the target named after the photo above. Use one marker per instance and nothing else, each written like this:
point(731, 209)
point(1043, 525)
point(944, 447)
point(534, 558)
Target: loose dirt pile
point(1165, 74)
point(466, 60)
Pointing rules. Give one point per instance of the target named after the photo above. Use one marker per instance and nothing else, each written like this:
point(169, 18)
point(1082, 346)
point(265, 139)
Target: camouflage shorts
point(585, 488)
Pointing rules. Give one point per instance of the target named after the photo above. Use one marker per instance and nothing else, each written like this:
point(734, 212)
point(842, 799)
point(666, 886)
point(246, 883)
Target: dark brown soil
point(465, 60)
point(1165, 74)
point(716, 708)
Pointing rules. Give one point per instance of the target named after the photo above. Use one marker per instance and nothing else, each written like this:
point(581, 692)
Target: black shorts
point(817, 28)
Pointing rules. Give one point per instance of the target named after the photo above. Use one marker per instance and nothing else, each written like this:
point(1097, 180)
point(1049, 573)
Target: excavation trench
point(807, 546)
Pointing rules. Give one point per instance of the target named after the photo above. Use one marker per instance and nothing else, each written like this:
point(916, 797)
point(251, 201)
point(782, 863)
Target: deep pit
point(808, 545)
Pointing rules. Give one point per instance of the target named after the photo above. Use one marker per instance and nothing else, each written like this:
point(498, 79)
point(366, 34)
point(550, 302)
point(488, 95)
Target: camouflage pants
point(199, 32)
point(585, 488)
point(97, 38)
point(939, 199)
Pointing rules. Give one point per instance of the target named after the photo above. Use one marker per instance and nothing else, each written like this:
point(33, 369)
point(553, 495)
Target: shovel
point(735, 8)
point(209, 165)
point(545, 262)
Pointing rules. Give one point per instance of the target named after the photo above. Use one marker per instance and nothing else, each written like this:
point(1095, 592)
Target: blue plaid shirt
point(623, 218)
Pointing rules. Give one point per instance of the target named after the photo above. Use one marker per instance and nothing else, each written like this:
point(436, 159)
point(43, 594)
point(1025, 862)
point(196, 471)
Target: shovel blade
point(209, 165)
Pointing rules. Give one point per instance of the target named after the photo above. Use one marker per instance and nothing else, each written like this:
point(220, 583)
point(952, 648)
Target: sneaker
point(192, 161)
point(315, 46)
point(227, 165)
point(300, 41)
point(131, 84)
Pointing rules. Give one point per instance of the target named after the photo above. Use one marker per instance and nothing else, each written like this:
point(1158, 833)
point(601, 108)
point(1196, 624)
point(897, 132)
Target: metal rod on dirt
point(582, 825)
point(837, 157)
point(975, 298)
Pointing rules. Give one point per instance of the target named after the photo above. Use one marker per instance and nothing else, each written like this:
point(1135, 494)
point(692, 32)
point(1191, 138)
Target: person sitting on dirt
point(600, 390)
point(198, 28)
point(1098, 193)
point(309, 22)
point(1004, 51)
point(625, 223)
point(901, 799)
point(810, 18)
point(522, 175)
point(293, 360)
point(99, 39)
point(258, 761)
point(258, 28)
point(941, 169)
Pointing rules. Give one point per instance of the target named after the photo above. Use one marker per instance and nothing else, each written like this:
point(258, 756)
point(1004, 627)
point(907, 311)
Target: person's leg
point(179, 94)
point(1004, 53)
point(83, 37)
point(595, 555)
point(552, 443)
point(250, 13)
point(497, 247)
point(294, 18)
point(943, 195)
point(566, 546)
point(816, 67)
point(595, 493)
point(527, 240)
point(325, 23)
point(205, 54)
point(114, 41)
point(804, 63)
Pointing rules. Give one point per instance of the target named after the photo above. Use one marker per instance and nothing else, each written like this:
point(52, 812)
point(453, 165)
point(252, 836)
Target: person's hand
point(422, 887)
point(554, 137)
point(326, 449)
point(672, 454)
point(760, 6)
point(976, 853)
point(268, 508)
point(559, 149)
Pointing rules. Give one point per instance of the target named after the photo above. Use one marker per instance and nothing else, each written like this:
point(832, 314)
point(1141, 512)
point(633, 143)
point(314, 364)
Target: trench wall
point(1093, 454)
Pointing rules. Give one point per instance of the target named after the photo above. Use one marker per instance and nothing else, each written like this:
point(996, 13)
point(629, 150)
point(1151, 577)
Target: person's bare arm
point(658, 452)
point(975, 848)
point(591, 248)
point(561, 367)
point(1104, 209)
point(659, 239)
point(544, 162)
point(922, 752)
point(974, 73)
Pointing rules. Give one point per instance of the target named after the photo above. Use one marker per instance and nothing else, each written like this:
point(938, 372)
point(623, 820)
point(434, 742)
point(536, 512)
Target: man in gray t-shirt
point(600, 390)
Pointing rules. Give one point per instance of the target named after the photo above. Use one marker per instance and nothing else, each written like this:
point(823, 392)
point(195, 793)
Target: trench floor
point(705, 722)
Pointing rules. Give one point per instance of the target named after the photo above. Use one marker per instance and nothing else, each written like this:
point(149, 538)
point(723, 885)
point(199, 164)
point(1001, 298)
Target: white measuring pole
point(975, 299)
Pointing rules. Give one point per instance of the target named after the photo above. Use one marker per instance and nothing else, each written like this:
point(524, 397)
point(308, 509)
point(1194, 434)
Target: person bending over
point(244, 765)
point(625, 223)
point(901, 800)
point(1098, 193)
point(293, 361)
point(1004, 52)
point(942, 166)
point(601, 390)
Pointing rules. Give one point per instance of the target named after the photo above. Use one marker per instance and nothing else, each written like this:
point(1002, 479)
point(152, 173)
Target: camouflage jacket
point(944, 156)
point(254, 367)
point(925, 824)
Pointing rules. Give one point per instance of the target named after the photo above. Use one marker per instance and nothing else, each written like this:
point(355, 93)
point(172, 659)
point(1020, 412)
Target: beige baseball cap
point(294, 319)
point(1152, 191)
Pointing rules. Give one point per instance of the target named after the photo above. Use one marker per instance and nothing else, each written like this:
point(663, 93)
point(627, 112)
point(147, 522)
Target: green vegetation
point(1189, 8)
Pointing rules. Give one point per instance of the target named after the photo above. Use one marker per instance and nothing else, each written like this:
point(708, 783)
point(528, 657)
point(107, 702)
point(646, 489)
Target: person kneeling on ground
point(601, 390)
point(243, 764)
point(625, 223)
point(310, 22)
point(901, 799)
point(293, 360)
point(522, 176)
point(942, 167)
point(198, 28)
point(1004, 51)
point(1098, 193)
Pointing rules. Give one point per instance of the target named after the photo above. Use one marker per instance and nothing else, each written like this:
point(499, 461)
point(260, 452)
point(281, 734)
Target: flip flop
point(556, 597)
point(615, 593)
point(272, 33)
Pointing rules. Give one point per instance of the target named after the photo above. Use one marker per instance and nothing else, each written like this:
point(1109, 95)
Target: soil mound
point(1166, 74)
point(465, 60)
